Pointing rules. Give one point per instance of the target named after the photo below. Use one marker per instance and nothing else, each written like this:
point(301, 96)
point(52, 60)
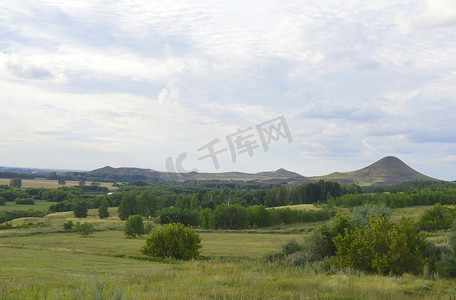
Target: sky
point(332, 85)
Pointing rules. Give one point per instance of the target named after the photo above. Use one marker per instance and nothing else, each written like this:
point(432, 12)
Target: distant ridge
point(278, 176)
point(389, 170)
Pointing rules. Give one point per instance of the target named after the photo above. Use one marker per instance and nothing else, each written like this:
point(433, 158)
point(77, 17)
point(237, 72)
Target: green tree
point(62, 181)
point(16, 183)
point(82, 182)
point(194, 202)
point(134, 226)
point(80, 209)
point(173, 241)
point(127, 206)
point(103, 209)
point(147, 204)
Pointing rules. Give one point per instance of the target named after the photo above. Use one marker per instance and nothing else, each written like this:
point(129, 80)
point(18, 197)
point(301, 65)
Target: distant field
point(43, 183)
point(39, 205)
point(300, 207)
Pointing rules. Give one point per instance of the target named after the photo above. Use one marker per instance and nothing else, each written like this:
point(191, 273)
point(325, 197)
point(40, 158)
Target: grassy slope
point(66, 265)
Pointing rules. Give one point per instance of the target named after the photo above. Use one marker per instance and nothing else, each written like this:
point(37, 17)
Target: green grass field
point(47, 263)
point(39, 205)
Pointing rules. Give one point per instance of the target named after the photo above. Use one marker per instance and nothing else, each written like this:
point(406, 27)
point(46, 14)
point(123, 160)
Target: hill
point(389, 170)
point(278, 176)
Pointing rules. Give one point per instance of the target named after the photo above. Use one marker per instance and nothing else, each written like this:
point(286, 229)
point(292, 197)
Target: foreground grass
point(39, 263)
point(53, 274)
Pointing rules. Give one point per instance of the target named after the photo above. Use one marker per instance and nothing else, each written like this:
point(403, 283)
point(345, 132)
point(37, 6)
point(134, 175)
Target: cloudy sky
point(89, 83)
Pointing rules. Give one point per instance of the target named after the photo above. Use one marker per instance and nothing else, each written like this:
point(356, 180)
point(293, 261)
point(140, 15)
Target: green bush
point(134, 226)
point(321, 239)
point(68, 225)
point(26, 201)
point(2, 201)
point(383, 247)
point(437, 218)
point(361, 215)
point(291, 246)
point(173, 241)
point(84, 229)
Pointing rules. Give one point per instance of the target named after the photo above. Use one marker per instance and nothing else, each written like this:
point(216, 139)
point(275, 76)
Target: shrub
point(384, 247)
point(80, 209)
point(134, 226)
point(362, 214)
point(84, 229)
point(437, 218)
point(173, 241)
point(321, 239)
point(291, 246)
point(26, 201)
point(2, 200)
point(68, 225)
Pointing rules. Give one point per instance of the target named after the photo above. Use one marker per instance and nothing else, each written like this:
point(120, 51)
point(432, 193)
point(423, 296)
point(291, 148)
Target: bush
point(134, 226)
point(2, 201)
point(68, 225)
point(362, 214)
point(84, 229)
point(291, 246)
point(321, 239)
point(26, 201)
point(173, 241)
point(384, 247)
point(437, 218)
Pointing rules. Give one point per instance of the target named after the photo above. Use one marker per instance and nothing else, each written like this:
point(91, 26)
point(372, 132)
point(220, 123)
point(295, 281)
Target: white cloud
point(136, 80)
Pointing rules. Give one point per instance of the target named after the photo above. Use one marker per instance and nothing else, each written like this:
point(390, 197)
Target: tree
point(103, 209)
point(16, 183)
point(127, 206)
point(173, 241)
point(80, 209)
point(94, 183)
point(82, 182)
point(194, 202)
point(62, 181)
point(134, 226)
point(147, 204)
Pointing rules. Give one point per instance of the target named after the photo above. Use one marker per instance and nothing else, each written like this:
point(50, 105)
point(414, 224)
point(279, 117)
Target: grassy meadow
point(45, 262)
point(39, 205)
